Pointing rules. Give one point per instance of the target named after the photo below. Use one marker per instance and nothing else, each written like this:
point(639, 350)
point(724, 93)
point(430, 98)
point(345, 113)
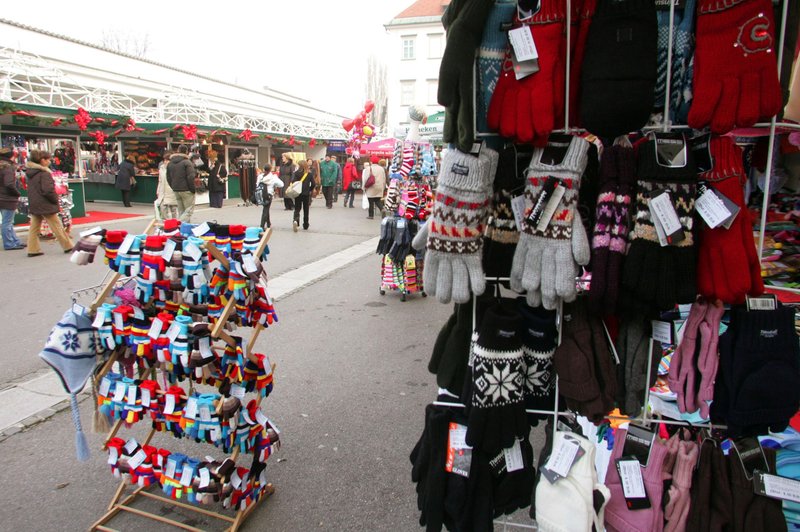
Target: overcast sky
point(316, 49)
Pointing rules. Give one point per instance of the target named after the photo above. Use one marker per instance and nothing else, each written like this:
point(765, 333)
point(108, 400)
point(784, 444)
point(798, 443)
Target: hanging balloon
point(369, 105)
point(348, 150)
point(368, 130)
point(347, 124)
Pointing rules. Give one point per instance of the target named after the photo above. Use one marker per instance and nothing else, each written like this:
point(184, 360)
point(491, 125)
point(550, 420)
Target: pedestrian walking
point(351, 182)
point(328, 175)
point(285, 174)
point(43, 203)
point(303, 201)
point(9, 198)
point(126, 178)
point(217, 177)
point(270, 181)
point(165, 196)
point(180, 176)
point(338, 186)
point(374, 175)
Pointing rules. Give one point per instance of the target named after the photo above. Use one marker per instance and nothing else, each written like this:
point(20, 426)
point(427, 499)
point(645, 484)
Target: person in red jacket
point(351, 181)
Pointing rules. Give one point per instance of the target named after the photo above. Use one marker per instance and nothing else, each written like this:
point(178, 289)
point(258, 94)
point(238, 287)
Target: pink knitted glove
point(677, 509)
point(682, 374)
point(708, 358)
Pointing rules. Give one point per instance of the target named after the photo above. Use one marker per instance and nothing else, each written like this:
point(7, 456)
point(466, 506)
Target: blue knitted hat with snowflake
point(69, 350)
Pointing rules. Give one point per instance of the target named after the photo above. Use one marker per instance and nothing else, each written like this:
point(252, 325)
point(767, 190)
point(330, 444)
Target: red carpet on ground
point(98, 216)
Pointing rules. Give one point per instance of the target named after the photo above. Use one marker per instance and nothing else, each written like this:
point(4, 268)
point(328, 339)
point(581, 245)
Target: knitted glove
point(617, 94)
point(490, 56)
point(502, 234)
point(655, 275)
point(676, 512)
point(727, 265)
point(428, 467)
point(752, 511)
point(735, 72)
point(539, 341)
point(633, 349)
point(682, 52)
point(130, 262)
point(527, 110)
point(497, 409)
point(238, 234)
point(711, 506)
point(708, 357)
point(546, 263)
point(683, 375)
point(582, 13)
point(152, 260)
point(610, 235)
point(392, 196)
point(454, 233)
point(111, 243)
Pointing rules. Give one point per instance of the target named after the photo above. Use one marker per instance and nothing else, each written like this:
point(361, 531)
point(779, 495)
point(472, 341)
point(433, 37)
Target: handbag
point(370, 180)
point(295, 189)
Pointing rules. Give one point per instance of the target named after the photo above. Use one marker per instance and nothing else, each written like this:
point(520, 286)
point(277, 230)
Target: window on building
point(408, 47)
point(407, 89)
point(435, 45)
point(433, 88)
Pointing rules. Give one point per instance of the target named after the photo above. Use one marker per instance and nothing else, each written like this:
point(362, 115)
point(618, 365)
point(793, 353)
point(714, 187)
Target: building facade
point(417, 41)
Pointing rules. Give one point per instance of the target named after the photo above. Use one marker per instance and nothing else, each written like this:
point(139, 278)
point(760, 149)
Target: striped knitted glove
point(454, 233)
point(547, 262)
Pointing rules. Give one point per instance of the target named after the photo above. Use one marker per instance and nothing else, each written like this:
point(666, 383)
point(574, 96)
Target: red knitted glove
point(735, 72)
point(527, 110)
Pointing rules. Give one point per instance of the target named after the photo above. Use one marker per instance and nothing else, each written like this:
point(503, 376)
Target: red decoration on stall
point(160, 131)
point(82, 118)
point(100, 120)
point(21, 113)
point(116, 132)
point(292, 141)
point(245, 135)
point(189, 132)
point(312, 143)
point(57, 122)
point(98, 136)
point(114, 123)
point(131, 125)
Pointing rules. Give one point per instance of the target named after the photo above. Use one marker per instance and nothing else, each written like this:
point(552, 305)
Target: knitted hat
point(69, 350)
point(619, 67)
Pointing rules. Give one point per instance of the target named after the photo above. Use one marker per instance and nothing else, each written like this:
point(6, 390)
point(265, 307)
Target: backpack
point(260, 194)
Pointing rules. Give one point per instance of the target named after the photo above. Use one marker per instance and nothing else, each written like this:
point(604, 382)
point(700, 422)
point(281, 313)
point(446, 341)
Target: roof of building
point(424, 8)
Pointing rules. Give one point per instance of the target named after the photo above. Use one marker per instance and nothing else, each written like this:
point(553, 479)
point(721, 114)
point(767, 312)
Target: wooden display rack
point(118, 503)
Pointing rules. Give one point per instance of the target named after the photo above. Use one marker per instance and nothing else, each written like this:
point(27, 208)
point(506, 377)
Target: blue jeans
point(10, 239)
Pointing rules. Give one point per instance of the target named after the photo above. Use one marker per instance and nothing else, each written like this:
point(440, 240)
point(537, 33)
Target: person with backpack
point(180, 176)
point(267, 182)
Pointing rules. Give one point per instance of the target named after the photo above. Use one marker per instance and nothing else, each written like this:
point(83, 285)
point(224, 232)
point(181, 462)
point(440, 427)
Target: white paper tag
point(662, 236)
point(113, 455)
point(249, 263)
point(272, 424)
point(155, 328)
point(630, 474)
point(169, 403)
point(119, 392)
point(711, 209)
point(518, 207)
point(237, 391)
point(514, 460)
point(173, 331)
point(137, 459)
point(458, 437)
point(205, 477)
point(214, 433)
point(78, 310)
point(205, 413)
point(190, 412)
point(137, 313)
point(126, 244)
point(146, 397)
point(131, 396)
point(201, 229)
point(662, 331)
point(236, 480)
point(91, 231)
point(562, 457)
point(783, 488)
point(522, 41)
point(204, 345)
point(186, 476)
point(171, 465)
point(130, 446)
point(192, 251)
point(99, 318)
point(550, 209)
point(119, 323)
point(105, 386)
point(169, 249)
point(662, 206)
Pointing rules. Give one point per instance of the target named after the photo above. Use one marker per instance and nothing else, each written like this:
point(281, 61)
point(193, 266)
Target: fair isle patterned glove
point(497, 410)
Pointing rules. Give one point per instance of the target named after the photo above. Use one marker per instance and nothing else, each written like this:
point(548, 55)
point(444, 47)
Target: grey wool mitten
point(546, 262)
point(454, 234)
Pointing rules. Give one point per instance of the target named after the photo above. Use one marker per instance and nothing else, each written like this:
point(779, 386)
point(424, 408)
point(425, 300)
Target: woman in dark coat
point(285, 173)
point(9, 197)
point(216, 183)
point(303, 201)
point(126, 177)
point(43, 203)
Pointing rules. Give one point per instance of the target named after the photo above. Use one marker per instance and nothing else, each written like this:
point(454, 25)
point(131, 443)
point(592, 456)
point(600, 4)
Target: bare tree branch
point(134, 44)
point(376, 89)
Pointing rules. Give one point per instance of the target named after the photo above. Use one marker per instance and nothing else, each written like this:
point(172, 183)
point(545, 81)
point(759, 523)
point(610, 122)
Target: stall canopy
point(381, 148)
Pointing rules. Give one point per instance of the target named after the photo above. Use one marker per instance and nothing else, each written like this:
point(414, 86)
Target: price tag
point(118, 321)
point(662, 331)
point(458, 437)
point(630, 474)
point(192, 251)
point(236, 480)
point(173, 331)
point(518, 207)
point(146, 396)
point(214, 432)
point(137, 313)
point(99, 319)
point(550, 208)
point(126, 244)
point(205, 477)
point(132, 395)
point(765, 302)
point(130, 446)
point(105, 387)
point(201, 229)
point(169, 249)
point(190, 412)
point(662, 209)
point(137, 459)
point(562, 457)
point(204, 344)
point(78, 310)
point(638, 444)
point(155, 328)
point(171, 466)
point(249, 263)
point(92, 231)
point(186, 476)
point(272, 424)
point(710, 207)
point(113, 456)
point(205, 413)
point(521, 40)
point(119, 392)
point(237, 391)
point(459, 455)
point(785, 489)
point(513, 455)
point(169, 403)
